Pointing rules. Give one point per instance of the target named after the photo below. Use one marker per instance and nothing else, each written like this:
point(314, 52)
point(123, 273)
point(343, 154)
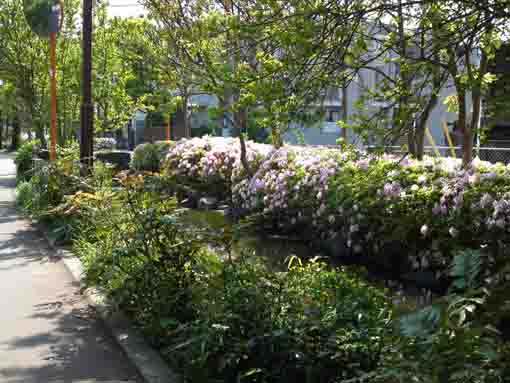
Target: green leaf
point(168, 323)
point(420, 323)
point(466, 268)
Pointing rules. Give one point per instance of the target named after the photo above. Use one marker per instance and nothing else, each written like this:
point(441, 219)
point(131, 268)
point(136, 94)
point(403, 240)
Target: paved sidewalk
point(48, 334)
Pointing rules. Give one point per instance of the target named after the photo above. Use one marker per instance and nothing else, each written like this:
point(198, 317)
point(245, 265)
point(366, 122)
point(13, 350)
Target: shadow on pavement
point(79, 350)
point(49, 334)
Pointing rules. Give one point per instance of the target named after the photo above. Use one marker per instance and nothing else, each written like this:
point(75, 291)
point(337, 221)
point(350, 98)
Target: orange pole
point(53, 97)
point(168, 130)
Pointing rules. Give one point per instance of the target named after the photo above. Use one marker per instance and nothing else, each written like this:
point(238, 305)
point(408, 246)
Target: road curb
point(145, 359)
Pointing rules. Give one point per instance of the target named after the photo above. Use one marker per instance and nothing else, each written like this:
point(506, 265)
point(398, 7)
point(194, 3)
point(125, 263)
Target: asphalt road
point(48, 333)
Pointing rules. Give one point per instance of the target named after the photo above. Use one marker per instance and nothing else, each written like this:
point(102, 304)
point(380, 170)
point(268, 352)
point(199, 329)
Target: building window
point(329, 125)
point(332, 115)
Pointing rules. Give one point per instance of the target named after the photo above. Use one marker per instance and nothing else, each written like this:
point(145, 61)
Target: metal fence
point(491, 154)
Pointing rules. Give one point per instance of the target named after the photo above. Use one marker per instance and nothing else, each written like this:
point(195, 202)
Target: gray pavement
point(48, 333)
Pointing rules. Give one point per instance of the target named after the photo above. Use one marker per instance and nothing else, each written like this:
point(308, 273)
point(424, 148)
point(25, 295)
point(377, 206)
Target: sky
point(125, 8)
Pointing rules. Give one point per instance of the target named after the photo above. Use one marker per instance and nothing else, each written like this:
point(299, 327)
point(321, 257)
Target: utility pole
point(87, 107)
point(53, 96)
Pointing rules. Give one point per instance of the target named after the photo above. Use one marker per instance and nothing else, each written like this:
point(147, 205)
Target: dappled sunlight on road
point(48, 331)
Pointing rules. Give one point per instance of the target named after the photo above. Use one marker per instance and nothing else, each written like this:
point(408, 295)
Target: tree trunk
point(345, 111)
point(16, 130)
point(239, 114)
point(1, 133)
point(419, 138)
point(239, 125)
point(221, 117)
point(39, 134)
point(398, 119)
point(434, 95)
point(276, 137)
point(131, 135)
point(467, 134)
point(465, 130)
point(187, 127)
point(148, 126)
point(424, 117)
point(477, 97)
point(411, 142)
point(422, 126)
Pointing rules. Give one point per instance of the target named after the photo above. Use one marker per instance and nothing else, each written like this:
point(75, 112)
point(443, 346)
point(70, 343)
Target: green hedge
point(149, 156)
point(24, 160)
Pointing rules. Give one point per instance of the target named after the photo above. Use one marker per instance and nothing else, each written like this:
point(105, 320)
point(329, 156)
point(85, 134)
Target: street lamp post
point(45, 19)
point(87, 108)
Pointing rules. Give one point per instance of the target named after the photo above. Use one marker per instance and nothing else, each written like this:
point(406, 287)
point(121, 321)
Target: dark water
point(278, 250)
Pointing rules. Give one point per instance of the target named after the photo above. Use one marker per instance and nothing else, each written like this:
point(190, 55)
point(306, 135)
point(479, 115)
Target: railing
point(491, 154)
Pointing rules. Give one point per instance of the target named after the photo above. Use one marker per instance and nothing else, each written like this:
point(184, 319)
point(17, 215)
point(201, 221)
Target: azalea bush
point(430, 207)
point(291, 187)
point(210, 164)
point(374, 204)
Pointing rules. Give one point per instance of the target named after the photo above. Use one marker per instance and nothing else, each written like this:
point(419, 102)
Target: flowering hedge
point(429, 208)
point(210, 164)
point(292, 185)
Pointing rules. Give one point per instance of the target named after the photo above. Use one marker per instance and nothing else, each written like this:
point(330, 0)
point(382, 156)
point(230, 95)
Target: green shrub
point(36, 195)
point(25, 196)
point(43, 195)
point(102, 176)
point(310, 324)
point(24, 160)
point(447, 341)
point(132, 249)
point(68, 158)
point(148, 157)
point(202, 130)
